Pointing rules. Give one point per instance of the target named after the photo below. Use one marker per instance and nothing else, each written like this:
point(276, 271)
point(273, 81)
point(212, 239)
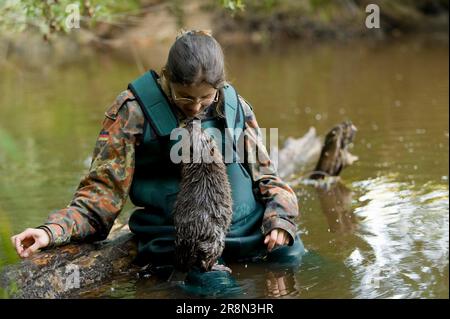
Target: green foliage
point(233, 5)
point(319, 4)
point(49, 16)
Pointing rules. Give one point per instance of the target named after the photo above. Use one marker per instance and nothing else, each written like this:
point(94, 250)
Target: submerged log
point(61, 272)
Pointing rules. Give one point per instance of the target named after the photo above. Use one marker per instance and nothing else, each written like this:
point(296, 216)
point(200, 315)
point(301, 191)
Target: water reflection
point(407, 228)
point(281, 284)
point(252, 281)
point(336, 202)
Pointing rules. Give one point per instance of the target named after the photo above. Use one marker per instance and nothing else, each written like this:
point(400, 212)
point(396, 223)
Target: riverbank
point(150, 30)
point(271, 22)
point(332, 20)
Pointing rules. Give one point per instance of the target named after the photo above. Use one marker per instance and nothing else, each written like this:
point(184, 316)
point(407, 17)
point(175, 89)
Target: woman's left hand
point(277, 237)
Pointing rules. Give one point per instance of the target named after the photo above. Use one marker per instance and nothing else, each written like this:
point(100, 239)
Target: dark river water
point(382, 232)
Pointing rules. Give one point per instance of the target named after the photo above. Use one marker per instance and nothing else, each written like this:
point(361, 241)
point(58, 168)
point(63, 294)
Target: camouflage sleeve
point(102, 193)
point(279, 198)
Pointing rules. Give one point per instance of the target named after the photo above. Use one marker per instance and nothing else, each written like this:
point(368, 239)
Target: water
point(383, 232)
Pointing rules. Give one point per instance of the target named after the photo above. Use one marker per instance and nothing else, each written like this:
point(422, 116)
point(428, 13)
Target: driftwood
point(297, 153)
point(61, 272)
point(330, 157)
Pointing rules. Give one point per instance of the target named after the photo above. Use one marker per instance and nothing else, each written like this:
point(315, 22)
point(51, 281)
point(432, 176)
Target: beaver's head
point(201, 144)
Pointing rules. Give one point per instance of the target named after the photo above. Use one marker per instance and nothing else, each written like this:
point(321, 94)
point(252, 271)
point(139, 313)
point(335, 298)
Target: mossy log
point(61, 272)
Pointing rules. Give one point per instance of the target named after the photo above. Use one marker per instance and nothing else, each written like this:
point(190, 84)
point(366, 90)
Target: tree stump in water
point(335, 155)
point(61, 272)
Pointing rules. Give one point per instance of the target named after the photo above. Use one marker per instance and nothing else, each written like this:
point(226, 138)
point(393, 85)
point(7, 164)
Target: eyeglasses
point(187, 101)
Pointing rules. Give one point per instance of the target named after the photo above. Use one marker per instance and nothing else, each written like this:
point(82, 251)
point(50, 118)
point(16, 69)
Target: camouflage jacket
point(102, 193)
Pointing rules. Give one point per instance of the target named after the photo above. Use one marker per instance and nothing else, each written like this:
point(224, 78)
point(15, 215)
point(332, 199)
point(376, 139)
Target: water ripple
point(407, 229)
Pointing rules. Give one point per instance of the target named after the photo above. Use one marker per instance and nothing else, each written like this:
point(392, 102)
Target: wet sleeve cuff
point(276, 222)
point(56, 233)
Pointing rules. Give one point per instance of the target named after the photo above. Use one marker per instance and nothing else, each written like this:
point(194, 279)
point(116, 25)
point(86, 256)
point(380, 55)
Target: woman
point(131, 157)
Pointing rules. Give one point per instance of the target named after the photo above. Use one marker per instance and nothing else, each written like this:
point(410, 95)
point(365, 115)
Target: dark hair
point(196, 57)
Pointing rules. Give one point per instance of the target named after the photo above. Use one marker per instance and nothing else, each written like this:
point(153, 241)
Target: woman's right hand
point(29, 241)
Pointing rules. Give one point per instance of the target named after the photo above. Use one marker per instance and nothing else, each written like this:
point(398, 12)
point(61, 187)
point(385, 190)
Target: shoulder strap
point(231, 101)
point(154, 104)
point(234, 117)
point(233, 110)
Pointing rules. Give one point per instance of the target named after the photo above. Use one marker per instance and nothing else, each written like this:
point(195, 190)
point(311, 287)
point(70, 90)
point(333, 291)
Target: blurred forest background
point(125, 27)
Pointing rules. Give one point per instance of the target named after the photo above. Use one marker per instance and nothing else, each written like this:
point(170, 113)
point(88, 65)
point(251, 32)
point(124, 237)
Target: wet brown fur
point(203, 209)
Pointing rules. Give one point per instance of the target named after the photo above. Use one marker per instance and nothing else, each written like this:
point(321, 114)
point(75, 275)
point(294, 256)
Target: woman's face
point(193, 99)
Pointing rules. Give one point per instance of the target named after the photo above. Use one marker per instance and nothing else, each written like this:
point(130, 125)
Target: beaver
point(203, 208)
point(335, 155)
